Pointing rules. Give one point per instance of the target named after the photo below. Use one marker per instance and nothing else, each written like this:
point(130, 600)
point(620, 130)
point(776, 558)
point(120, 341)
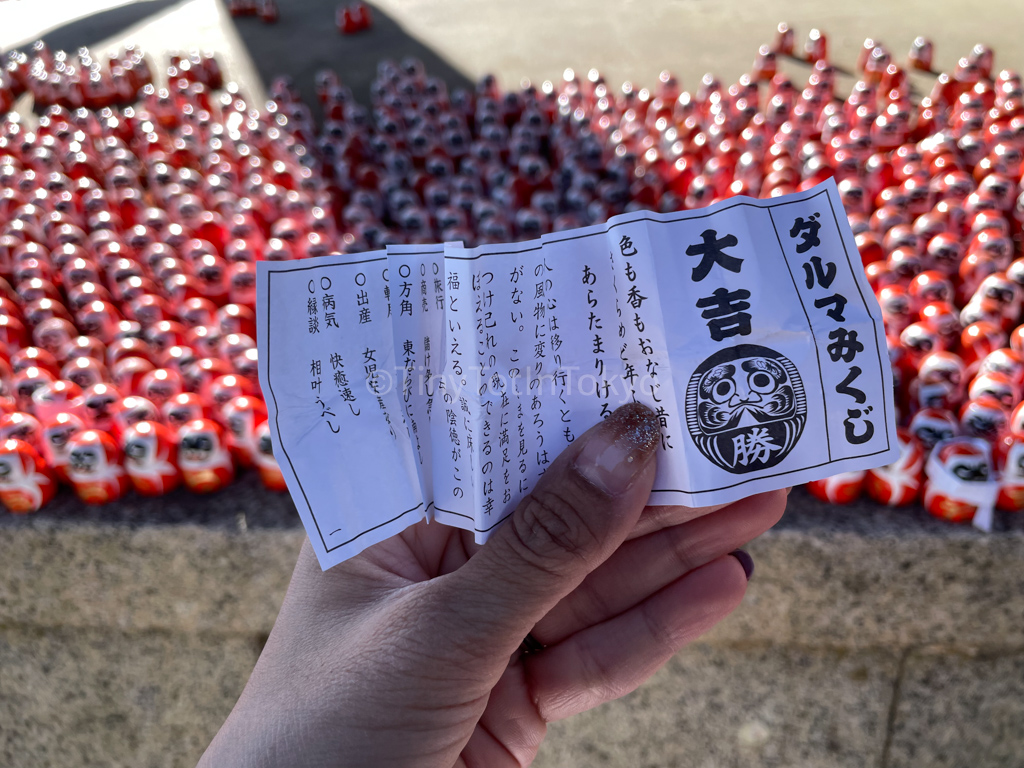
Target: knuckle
point(550, 533)
point(684, 549)
point(592, 606)
point(664, 637)
point(602, 677)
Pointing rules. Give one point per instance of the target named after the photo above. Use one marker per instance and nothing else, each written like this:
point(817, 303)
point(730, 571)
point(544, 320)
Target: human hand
point(409, 654)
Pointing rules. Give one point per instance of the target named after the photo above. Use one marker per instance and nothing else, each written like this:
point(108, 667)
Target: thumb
point(580, 511)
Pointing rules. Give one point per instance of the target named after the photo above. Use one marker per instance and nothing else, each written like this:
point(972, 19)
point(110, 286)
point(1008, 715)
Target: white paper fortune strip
point(436, 381)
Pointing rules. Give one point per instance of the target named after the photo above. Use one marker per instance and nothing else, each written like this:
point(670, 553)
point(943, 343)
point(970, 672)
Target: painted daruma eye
point(971, 473)
point(723, 390)
point(135, 450)
point(761, 382)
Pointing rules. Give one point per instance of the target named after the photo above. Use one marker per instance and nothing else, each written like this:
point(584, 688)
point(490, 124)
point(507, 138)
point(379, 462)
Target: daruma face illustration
point(746, 408)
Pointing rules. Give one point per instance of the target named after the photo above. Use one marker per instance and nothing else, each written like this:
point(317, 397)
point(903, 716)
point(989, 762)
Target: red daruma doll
point(961, 485)
point(1010, 458)
point(898, 484)
point(242, 415)
point(270, 472)
point(149, 458)
point(205, 461)
point(26, 484)
point(54, 443)
point(1010, 454)
point(843, 488)
point(94, 467)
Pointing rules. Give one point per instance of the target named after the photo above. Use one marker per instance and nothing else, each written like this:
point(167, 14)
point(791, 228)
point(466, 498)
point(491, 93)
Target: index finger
point(656, 517)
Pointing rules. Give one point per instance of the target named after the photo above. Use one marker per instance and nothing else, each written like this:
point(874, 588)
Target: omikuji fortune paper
point(437, 381)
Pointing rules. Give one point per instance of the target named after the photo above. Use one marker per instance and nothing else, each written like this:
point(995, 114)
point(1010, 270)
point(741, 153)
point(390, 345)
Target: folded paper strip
point(438, 382)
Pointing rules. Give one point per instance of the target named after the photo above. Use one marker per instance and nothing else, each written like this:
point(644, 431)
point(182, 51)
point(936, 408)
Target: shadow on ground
point(303, 41)
point(306, 40)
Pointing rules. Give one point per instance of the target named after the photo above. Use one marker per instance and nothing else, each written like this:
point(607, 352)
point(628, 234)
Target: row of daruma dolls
point(103, 445)
point(962, 479)
point(962, 451)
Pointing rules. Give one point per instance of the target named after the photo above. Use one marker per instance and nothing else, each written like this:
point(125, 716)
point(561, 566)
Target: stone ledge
point(716, 706)
point(958, 709)
point(181, 563)
point(862, 577)
point(127, 632)
point(857, 576)
point(108, 699)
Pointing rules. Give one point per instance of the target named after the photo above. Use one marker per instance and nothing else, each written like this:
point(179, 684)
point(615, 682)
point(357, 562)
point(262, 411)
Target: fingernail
point(746, 561)
point(619, 448)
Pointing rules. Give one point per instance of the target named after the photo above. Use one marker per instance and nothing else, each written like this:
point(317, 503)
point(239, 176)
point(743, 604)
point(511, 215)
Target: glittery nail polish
point(618, 450)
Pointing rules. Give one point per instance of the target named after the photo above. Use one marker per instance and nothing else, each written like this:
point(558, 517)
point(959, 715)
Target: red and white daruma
point(1009, 457)
point(26, 483)
point(205, 460)
point(961, 484)
point(266, 463)
point(843, 488)
point(149, 458)
point(94, 467)
point(898, 484)
point(54, 441)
